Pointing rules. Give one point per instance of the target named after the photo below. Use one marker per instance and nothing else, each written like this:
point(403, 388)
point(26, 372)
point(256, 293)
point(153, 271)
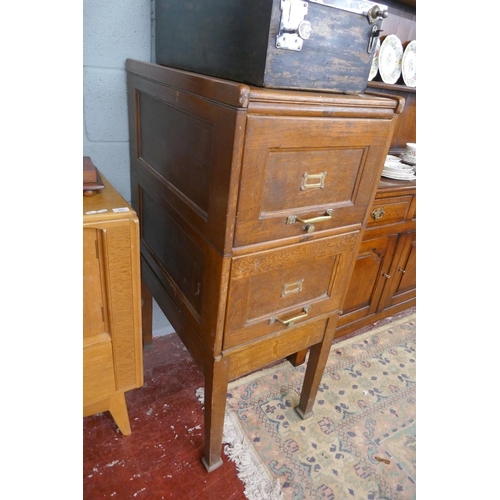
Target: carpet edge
point(259, 485)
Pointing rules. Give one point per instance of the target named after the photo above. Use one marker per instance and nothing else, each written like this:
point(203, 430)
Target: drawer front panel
point(268, 289)
point(298, 169)
point(389, 210)
point(98, 370)
point(269, 349)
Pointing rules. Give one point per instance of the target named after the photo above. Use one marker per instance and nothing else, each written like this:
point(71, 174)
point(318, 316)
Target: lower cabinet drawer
point(279, 289)
point(278, 346)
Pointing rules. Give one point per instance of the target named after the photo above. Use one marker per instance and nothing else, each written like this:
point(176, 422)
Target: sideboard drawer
point(389, 210)
point(269, 288)
point(300, 169)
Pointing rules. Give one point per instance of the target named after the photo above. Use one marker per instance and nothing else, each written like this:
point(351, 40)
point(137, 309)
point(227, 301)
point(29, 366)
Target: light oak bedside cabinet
point(112, 332)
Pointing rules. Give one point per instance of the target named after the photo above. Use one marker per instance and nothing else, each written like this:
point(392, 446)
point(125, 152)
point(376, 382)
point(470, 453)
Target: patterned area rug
point(360, 442)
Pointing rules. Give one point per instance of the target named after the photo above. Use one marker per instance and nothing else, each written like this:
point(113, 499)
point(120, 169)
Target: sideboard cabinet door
point(403, 284)
point(368, 279)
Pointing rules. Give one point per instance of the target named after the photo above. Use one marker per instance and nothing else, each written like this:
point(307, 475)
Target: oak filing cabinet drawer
point(225, 178)
point(301, 169)
point(269, 288)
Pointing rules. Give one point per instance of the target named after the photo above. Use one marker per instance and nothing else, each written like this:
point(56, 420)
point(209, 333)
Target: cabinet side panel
point(187, 148)
point(177, 253)
point(178, 146)
point(123, 308)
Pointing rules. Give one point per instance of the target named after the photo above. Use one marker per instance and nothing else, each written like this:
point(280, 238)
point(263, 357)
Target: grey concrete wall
point(112, 32)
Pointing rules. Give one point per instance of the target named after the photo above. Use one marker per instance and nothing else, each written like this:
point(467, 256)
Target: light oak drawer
point(270, 288)
point(98, 369)
point(306, 174)
point(390, 210)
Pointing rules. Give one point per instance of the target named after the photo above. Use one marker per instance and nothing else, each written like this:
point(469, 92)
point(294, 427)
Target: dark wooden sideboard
point(252, 204)
point(384, 280)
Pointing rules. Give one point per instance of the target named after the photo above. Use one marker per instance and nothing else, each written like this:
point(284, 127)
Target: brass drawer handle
point(291, 321)
point(385, 275)
point(378, 213)
point(308, 223)
point(401, 270)
point(326, 216)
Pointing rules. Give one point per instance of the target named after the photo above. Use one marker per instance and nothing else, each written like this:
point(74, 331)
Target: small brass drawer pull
point(313, 181)
point(401, 270)
point(378, 213)
point(291, 321)
point(292, 287)
point(385, 275)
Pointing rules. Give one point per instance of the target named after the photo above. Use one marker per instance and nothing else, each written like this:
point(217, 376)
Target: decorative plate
point(392, 158)
point(390, 58)
point(407, 159)
point(409, 64)
point(408, 177)
point(403, 168)
point(374, 67)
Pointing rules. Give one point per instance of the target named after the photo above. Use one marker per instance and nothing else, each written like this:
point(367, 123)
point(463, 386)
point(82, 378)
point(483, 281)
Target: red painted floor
point(161, 459)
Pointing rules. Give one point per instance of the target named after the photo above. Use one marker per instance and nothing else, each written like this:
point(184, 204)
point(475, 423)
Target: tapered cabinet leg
point(318, 356)
point(216, 380)
point(118, 410)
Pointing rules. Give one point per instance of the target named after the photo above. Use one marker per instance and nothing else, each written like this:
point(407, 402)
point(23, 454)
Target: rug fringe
point(258, 484)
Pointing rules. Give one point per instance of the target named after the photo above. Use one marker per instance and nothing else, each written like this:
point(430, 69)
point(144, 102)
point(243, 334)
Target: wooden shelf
point(410, 3)
point(391, 86)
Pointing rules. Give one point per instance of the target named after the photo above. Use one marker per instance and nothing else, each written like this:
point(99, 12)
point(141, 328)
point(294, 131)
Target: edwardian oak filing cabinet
point(251, 204)
point(112, 340)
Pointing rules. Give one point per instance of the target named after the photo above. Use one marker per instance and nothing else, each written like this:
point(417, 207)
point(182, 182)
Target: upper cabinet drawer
point(307, 174)
point(390, 210)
